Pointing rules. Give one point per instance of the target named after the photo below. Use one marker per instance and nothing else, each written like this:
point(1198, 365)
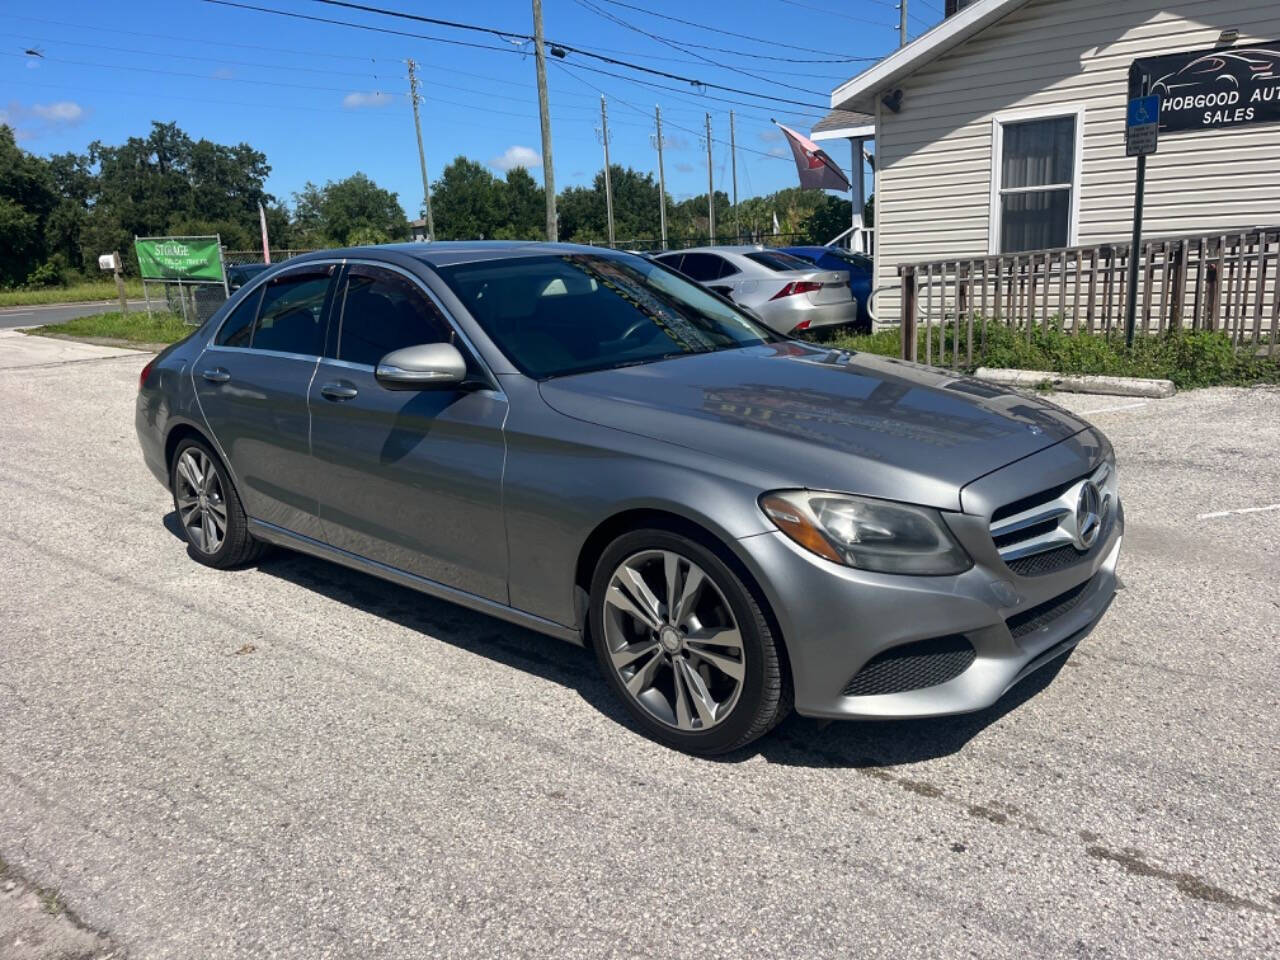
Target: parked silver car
point(788, 294)
point(585, 443)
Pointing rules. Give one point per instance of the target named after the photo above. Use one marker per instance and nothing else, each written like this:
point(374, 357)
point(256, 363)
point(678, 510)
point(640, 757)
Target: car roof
point(450, 252)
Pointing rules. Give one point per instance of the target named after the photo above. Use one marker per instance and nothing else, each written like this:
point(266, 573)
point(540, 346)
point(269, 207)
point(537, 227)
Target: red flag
point(817, 170)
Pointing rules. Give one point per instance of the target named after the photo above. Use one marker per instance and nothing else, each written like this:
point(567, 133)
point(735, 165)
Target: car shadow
point(798, 741)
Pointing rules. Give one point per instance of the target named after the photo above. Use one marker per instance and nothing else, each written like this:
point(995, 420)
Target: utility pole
point(662, 180)
point(733, 162)
point(608, 183)
point(711, 190)
point(902, 23)
point(422, 155)
point(544, 113)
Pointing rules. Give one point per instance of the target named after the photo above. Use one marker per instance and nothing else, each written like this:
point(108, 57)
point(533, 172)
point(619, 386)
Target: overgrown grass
point(136, 326)
point(73, 293)
point(1189, 358)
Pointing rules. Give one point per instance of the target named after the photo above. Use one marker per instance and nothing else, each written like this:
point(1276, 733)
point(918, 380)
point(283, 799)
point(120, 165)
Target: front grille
point(1032, 619)
point(1059, 558)
point(912, 666)
point(1035, 535)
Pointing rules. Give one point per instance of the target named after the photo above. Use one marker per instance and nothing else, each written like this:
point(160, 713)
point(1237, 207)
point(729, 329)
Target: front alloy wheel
point(673, 640)
point(683, 641)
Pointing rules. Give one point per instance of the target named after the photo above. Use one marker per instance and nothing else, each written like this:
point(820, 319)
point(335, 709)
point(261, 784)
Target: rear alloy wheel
point(213, 521)
point(684, 643)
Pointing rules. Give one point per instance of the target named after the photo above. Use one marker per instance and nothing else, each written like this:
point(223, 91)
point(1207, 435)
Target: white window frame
point(1049, 112)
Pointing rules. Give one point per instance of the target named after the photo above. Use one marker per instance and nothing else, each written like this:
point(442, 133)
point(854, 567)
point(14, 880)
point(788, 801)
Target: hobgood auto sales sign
point(1212, 89)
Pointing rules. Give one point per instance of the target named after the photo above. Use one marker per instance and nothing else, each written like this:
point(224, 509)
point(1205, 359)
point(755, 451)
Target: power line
point(587, 5)
point(508, 35)
point(363, 26)
point(840, 58)
point(572, 70)
point(659, 86)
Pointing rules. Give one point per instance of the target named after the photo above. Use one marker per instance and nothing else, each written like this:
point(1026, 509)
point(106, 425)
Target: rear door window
point(237, 329)
point(291, 318)
point(705, 267)
point(383, 311)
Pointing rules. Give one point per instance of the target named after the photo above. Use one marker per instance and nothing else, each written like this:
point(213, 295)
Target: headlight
point(867, 534)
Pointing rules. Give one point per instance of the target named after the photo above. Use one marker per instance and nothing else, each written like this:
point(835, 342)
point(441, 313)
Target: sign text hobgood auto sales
point(1212, 89)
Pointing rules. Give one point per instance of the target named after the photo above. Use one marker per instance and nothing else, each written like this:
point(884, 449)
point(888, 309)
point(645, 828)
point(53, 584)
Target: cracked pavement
point(295, 760)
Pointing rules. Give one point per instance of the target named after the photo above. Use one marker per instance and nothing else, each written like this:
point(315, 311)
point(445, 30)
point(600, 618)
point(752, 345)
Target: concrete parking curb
point(1079, 382)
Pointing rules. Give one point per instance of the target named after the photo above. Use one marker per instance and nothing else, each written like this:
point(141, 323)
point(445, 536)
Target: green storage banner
point(180, 258)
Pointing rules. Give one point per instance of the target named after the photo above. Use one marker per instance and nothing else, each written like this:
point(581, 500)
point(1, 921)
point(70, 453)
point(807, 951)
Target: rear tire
point(209, 511)
point(683, 642)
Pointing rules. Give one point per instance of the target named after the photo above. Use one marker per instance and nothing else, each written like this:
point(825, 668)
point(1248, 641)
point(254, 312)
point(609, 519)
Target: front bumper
point(836, 620)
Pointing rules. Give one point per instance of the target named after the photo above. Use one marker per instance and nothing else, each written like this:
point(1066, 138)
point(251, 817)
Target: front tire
point(209, 509)
point(684, 644)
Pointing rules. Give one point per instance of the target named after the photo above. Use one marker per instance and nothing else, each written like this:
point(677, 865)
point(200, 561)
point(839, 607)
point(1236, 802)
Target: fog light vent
point(912, 666)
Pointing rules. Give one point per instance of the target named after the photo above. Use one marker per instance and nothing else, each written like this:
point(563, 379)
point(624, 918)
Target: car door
point(410, 478)
point(252, 384)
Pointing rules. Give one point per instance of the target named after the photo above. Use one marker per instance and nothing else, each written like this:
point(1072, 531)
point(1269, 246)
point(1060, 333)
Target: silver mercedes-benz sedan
point(586, 443)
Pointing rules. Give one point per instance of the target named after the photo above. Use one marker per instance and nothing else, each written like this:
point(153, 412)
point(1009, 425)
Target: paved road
point(299, 761)
point(58, 312)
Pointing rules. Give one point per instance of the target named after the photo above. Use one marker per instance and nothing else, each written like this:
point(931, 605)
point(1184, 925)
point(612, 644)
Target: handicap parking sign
point(1142, 125)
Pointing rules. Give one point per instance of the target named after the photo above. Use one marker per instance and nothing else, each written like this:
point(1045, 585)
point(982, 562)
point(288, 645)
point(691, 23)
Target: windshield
point(569, 313)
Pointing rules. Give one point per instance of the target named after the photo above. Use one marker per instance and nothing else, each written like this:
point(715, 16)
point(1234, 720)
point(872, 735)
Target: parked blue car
point(860, 270)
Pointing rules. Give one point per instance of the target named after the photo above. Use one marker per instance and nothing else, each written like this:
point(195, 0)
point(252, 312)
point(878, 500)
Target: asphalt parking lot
point(299, 761)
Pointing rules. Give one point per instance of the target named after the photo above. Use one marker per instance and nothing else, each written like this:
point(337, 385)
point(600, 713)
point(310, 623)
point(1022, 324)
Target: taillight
point(146, 372)
point(802, 325)
point(797, 286)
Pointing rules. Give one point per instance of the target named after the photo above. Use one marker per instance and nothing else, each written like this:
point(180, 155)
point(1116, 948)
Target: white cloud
point(770, 135)
point(674, 141)
point(33, 122)
point(779, 152)
point(358, 99)
point(64, 111)
point(685, 167)
point(516, 156)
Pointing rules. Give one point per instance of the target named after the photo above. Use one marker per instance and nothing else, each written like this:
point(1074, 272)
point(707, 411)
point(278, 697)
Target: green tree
point(636, 217)
point(524, 207)
point(466, 202)
point(346, 212)
point(26, 199)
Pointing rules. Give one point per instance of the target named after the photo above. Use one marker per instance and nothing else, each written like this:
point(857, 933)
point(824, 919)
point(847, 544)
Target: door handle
point(336, 391)
point(216, 375)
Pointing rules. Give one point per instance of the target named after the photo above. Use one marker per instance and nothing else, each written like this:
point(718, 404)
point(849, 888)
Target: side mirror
point(421, 367)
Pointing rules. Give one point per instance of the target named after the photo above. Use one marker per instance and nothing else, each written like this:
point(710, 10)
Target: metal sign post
point(1141, 129)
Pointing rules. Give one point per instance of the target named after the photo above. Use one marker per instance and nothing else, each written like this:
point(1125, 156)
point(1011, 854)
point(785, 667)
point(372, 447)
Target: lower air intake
point(912, 666)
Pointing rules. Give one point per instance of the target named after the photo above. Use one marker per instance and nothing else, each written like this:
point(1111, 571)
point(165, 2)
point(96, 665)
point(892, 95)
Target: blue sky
point(324, 101)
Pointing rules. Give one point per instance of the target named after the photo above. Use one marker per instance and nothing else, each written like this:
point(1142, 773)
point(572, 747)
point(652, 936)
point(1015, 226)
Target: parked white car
point(788, 294)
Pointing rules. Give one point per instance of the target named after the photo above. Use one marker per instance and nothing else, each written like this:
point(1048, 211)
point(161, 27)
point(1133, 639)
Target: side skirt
point(294, 541)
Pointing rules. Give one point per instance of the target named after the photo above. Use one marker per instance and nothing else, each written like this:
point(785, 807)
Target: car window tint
point(703, 266)
point(775, 260)
point(291, 319)
point(238, 328)
point(671, 260)
point(383, 311)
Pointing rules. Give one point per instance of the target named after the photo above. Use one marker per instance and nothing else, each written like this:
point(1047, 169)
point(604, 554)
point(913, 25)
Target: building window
point(1037, 181)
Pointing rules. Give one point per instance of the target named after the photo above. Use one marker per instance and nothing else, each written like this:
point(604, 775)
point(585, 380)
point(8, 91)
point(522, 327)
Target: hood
point(807, 416)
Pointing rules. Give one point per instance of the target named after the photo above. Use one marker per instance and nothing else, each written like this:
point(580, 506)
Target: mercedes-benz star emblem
point(1088, 515)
